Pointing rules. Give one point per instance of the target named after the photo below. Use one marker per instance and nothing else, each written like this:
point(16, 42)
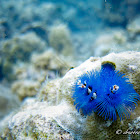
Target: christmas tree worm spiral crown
point(106, 92)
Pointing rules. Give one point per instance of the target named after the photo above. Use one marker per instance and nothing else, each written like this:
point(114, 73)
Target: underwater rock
point(110, 41)
point(91, 126)
point(134, 27)
point(60, 40)
point(54, 103)
point(28, 81)
point(4, 130)
point(8, 101)
point(35, 121)
point(1, 69)
point(51, 61)
point(26, 88)
point(38, 27)
point(19, 48)
point(30, 76)
point(4, 29)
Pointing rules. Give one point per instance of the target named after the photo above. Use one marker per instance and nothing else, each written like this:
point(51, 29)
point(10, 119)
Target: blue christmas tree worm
point(106, 92)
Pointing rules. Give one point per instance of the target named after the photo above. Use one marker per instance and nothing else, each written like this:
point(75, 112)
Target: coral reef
point(49, 60)
point(116, 40)
point(92, 125)
point(41, 41)
point(26, 88)
point(110, 41)
point(44, 65)
point(54, 104)
point(59, 38)
point(35, 121)
point(134, 26)
point(19, 49)
point(8, 101)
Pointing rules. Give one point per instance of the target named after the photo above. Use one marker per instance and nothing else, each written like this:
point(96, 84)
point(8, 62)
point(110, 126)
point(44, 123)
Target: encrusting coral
point(54, 101)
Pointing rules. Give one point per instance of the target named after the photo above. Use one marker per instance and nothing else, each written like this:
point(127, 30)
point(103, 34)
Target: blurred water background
point(40, 38)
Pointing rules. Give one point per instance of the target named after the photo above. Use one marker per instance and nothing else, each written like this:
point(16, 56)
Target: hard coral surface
point(35, 120)
point(54, 104)
point(127, 63)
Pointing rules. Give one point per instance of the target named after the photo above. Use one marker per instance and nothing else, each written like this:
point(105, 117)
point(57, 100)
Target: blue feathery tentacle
point(106, 92)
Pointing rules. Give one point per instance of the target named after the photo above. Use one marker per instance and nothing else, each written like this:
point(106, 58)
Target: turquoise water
point(75, 29)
